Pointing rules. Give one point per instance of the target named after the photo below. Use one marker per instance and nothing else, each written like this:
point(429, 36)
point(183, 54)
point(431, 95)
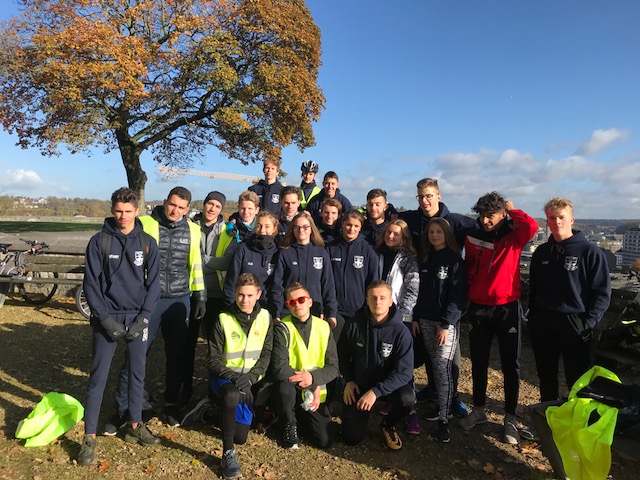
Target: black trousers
point(317, 425)
point(553, 337)
point(232, 431)
point(504, 323)
point(354, 421)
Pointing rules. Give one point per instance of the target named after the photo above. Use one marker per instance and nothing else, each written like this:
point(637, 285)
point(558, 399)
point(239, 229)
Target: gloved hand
point(246, 397)
point(243, 383)
point(137, 327)
point(200, 309)
point(586, 335)
point(113, 329)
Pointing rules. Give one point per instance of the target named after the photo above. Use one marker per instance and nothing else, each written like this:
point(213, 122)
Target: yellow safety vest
point(242, 352)
point(585, 449)
point(304, 201)
point(223, 243)
point(308, 358)
point(196, 279)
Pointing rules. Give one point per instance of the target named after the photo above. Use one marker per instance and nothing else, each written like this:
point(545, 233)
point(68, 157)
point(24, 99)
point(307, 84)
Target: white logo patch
point(570, 264)
point(184, 240)
point(443, 272)
point(275, 198)
point(269, 268)
point(387, 348)
point(317, 263)
point(138, 258)
point(358, 261)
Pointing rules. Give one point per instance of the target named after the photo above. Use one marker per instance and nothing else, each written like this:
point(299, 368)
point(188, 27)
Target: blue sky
point(534, 99)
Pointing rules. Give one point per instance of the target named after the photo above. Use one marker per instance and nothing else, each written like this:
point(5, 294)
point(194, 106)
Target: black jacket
point(378, 357)
point(269, 195)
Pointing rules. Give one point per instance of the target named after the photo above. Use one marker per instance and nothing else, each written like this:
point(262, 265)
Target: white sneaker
point(477, 416)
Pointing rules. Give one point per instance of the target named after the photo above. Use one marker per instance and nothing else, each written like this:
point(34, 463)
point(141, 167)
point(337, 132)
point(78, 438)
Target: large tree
point(170, 76)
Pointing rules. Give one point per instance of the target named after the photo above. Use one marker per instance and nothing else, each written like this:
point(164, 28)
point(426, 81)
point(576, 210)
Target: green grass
point(20, 227)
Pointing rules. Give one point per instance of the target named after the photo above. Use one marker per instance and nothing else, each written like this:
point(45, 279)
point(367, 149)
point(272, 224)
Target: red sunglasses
point(300, 300)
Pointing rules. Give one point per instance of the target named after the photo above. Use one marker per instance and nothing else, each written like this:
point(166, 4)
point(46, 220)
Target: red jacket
point(493, 259)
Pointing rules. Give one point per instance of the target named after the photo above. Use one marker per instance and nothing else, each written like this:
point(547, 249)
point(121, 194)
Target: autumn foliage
point(173, 77)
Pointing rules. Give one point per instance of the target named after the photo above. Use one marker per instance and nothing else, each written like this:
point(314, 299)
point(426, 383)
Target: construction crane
point(172, 171)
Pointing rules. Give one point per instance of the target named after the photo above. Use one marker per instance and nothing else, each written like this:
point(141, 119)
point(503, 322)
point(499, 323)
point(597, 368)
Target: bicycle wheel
point(81, 302)
point(37, 293)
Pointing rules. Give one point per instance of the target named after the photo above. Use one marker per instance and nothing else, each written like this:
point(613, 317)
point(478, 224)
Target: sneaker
point(391, 437)
point(529, 434)
point(477, 416)
point(87, 451)
point(413, 425)
point(511, 429)
point(290, 436)
point(385, 409)
point(458, 407)
point(117, 421)
point(443, 435)
point(433, 414)
point(204, 408)
point(426, 394)
point(230, 465)
point(141, 435)
point(172, 416)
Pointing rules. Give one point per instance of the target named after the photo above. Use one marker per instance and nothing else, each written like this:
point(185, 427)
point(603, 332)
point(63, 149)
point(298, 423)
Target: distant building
point(630, 246)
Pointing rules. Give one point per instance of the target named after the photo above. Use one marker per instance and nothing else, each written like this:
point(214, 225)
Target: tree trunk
point(136, 177)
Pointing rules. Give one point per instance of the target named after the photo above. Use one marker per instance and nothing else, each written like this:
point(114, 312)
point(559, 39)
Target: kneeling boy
point(305, 359)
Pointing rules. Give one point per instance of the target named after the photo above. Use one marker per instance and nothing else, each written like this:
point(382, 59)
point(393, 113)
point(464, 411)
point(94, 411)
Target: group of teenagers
point(307, 303)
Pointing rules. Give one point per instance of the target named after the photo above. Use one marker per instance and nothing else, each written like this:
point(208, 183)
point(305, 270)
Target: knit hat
point(216, 196)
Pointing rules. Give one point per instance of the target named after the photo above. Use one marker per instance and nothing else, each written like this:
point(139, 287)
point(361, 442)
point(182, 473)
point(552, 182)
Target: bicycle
point(35, 287)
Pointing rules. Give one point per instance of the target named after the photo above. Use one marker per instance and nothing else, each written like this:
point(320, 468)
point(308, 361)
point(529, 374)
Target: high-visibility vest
point(196, 279)
point(308, 358)
point(304, 201)
point(223, 243)
point(585, 449)
point(242, 352)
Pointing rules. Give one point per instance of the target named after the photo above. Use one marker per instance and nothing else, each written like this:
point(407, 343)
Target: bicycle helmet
point(309, 166)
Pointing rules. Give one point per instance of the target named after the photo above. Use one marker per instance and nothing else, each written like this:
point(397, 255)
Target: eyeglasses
point(293, 301)
point(429, 196)
point(301, 227)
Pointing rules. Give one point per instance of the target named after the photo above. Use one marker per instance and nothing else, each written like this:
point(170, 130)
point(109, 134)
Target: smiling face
point(211, 211)
point(265, 226)
point(329, 215)
point(125, 216)
point(376, 207)
point(247, 211)
point(302, 230)
point(308, 177)
point(246, 297)
point(436, 236)
point(175, 208)
point(351, 228)
point(330, 186)
point(393, 237)
point(560, 221)
point(428, 201)
point(491, 221)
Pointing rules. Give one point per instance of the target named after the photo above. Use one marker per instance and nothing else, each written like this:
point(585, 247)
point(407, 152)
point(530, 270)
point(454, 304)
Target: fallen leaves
point(265, 471)
point(103, 466)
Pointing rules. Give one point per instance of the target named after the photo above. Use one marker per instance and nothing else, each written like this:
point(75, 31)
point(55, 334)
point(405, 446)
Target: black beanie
point(216, 196)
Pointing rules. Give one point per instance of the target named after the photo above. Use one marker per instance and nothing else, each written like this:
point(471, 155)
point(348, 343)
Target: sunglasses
point(293, 301)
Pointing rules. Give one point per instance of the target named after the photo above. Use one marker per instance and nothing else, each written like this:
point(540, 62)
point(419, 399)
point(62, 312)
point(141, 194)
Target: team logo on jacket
point(387, 348)
point(235, 336)
point(275, 198)
point(358, 261)
point(317, 263)
point(138, 258)
point(570, 263)
point(443, 272)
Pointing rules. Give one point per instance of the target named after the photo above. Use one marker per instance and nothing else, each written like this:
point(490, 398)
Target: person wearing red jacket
point(492, 260)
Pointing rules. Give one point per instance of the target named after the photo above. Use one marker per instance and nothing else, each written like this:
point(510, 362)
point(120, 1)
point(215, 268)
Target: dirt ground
point(47, 348)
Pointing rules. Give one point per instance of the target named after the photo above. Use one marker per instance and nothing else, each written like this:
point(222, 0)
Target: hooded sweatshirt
point(269, 195)
point(120, 285)
point(570, 277)
point(376, 356)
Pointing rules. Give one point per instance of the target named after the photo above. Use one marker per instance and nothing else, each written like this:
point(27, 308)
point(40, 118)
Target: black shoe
point(290, 437)
point(203, 410)
point(141, 435)
point(87, 451)
point(172, 416)
point(442, 435)
point(433, 414)
point(230, 465)
point(117, 421)
point(426, 394)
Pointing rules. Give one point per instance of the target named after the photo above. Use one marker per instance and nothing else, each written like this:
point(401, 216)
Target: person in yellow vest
point(304, 360)
point(308, 188)
point(239, 355)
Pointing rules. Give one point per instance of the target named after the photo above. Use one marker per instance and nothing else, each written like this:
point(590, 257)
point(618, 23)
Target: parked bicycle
point(35, 287)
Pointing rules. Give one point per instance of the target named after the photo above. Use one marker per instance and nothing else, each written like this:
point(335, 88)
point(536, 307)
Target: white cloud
point(601, 139)
point(17, 180)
